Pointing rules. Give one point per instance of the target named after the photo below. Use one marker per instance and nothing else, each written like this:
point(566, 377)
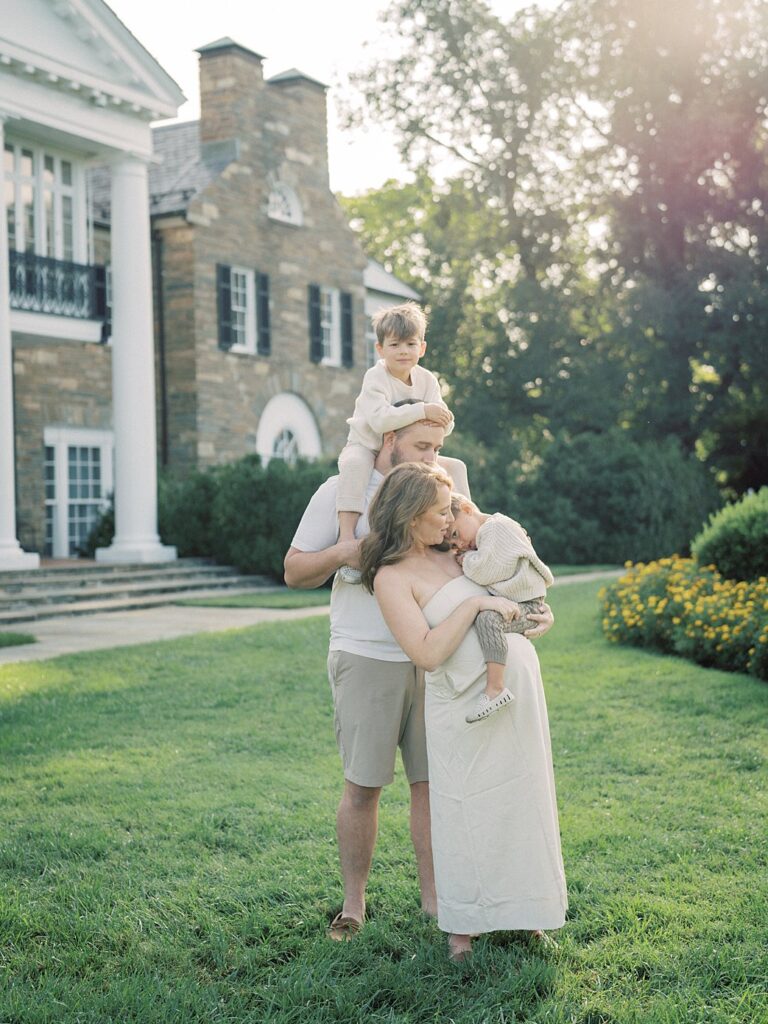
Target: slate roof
point(377, 279)
point(182, 171)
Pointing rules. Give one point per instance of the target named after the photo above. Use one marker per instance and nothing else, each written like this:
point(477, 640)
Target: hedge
point(735, 539)
point(242, 514)
point(595, 497)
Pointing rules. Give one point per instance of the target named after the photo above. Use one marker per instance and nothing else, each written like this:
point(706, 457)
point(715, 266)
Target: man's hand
point(438, 414)
point(544, 619)
point(309, 569)
point(349, 552)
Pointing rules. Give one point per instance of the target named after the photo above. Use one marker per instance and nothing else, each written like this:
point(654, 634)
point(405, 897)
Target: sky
point(324, 40)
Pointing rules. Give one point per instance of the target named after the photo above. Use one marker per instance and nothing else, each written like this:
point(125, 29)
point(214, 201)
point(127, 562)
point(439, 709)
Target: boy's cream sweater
point(375, 414)
point(506, 562)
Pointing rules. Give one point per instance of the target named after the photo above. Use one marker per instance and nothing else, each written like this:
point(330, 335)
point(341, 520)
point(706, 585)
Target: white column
point(11, 554)
point(133, 372)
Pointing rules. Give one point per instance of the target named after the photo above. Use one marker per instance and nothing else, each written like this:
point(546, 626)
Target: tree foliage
point(598, 256)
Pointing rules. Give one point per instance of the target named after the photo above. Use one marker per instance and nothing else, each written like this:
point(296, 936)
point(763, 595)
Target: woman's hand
point(545, 620)
point(510, 610)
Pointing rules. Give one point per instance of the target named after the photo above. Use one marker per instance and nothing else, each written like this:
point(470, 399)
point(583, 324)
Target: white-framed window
point(78, 481)
point(283, 205)
point(243, 305)
point(330, 326)
point(44, 201)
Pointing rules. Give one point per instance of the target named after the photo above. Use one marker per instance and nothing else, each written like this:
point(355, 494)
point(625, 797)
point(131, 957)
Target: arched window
point(287, 430)
point(283, 205)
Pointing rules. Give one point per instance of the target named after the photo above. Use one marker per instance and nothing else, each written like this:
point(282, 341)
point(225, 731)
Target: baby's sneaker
point(350, 575)
point(485, 706)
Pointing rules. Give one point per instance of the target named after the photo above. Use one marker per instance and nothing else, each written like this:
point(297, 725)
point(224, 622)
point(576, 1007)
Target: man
point(378, 693)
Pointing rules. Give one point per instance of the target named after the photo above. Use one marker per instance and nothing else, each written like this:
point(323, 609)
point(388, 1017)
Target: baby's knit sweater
point(506, 562)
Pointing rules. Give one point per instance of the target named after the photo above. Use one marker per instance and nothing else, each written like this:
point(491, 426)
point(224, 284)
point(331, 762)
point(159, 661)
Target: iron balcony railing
point(39, 284)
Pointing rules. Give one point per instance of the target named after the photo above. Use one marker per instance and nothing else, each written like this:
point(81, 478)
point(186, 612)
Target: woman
point(495, 837)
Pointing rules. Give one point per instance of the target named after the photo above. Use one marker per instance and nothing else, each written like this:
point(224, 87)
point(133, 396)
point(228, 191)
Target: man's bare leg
point(421, 835)
point(357, 822)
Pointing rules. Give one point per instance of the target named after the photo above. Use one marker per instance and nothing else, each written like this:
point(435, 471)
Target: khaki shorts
point(378, 707)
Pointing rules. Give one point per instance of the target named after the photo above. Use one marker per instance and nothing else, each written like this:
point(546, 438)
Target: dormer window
point(284, 205)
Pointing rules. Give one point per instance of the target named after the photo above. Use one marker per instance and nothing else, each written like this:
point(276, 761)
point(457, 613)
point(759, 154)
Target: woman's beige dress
point(495, 835)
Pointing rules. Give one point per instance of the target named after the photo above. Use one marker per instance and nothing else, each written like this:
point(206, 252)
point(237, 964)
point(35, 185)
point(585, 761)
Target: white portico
point(78, 90)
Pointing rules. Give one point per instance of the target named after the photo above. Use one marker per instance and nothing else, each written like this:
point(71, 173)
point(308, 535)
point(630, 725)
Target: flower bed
point(680, 607)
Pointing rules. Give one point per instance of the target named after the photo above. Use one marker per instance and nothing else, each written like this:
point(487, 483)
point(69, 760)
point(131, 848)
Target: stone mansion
point(177, 296)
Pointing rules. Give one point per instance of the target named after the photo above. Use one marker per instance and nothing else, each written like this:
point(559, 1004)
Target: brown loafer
point(343, 928)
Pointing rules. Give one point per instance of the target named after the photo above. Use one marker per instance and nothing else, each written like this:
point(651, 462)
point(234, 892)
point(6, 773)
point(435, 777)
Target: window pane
point(10, 198)
point(67, 231)
point(8, 158)
point(48, 175)
point(27, 163)
point(50, 511)
point(50, 238)
point(28, 207)
point(66, 172)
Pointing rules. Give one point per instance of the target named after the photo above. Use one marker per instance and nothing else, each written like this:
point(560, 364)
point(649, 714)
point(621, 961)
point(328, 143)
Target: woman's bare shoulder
point(397, 574)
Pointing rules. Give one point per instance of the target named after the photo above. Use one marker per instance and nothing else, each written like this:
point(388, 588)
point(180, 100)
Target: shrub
point(102, 532)
point(735, 539)
point(185, 512)
point(680, 607)
point(256, 510)
point(609, 498)
point(241, 514)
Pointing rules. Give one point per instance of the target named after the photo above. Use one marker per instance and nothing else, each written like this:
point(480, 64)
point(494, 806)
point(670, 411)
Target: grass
point(16, 639)
point(578, 570)
point(312, 598)
point(263, 599)
point(168, 852)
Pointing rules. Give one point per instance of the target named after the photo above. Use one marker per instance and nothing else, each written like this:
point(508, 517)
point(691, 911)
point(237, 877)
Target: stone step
point(160, 585)
point(91, 578)
point(86, 607)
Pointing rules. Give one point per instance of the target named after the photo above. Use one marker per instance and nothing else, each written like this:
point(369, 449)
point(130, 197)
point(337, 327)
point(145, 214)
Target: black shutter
point(315, 328)
point(263, 337)
point(347, 356)
point(224, 292)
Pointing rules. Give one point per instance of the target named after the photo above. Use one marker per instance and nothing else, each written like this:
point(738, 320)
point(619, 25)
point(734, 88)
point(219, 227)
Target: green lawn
point(579, 570)
point(264, 599)
point(167, 847)
point(16, 639)
point(312, 598)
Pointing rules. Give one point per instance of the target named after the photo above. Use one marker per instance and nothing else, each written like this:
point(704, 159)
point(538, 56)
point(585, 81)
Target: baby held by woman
point(496, 552)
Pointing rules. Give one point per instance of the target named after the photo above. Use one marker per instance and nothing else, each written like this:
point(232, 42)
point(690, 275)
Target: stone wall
point(56, 384)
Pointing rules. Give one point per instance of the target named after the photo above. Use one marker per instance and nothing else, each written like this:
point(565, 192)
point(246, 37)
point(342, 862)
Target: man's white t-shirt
point(357, 625)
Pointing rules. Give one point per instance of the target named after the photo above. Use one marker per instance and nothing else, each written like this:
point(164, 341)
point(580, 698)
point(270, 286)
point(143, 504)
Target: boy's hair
point(459, 502)
point(405, 321)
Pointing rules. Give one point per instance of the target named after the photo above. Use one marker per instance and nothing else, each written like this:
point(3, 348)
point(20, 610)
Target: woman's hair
point(405, 493)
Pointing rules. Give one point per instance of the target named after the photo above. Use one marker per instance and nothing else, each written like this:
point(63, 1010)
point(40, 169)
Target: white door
point(78, 483)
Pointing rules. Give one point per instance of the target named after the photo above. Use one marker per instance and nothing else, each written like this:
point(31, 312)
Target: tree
point(616, 153)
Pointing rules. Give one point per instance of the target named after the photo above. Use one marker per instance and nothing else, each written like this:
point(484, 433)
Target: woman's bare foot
point(542, 940)
point(459, 948)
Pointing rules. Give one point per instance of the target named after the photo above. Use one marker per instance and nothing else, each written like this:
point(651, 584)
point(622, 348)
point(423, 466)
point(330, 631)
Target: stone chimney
point(231, 93)
point(301, 100)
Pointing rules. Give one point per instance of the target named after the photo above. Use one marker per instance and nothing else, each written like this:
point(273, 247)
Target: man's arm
point(305, 570)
